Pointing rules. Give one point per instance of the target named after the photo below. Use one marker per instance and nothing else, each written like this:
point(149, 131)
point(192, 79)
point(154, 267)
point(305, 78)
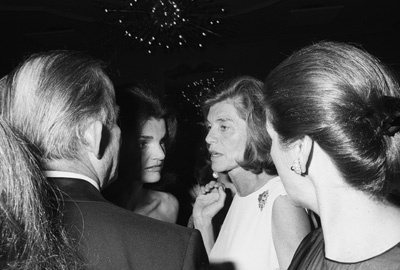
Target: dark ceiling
point(30, 25)
point(248, 27)
point(81, 22)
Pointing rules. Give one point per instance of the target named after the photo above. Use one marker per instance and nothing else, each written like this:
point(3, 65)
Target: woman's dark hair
point(139, 103)
point(245, 94)
point(345, 100)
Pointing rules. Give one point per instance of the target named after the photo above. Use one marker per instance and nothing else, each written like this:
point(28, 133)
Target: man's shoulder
point(105, 214)
point(155, 225)
point(101, 224)
point(118, 235)
point(98, 220)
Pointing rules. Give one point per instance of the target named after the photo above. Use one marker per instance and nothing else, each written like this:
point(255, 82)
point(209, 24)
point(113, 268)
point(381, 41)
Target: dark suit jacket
point(111, 237)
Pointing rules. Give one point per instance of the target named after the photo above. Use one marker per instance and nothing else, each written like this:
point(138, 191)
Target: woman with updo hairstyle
point(333, 113)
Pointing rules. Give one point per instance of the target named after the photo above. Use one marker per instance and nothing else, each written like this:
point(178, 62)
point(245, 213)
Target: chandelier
point(196, 91)
point(166, 25)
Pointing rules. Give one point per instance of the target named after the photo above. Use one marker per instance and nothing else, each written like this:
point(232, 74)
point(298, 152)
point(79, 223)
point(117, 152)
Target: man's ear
point(303, 151)
point(93, 138)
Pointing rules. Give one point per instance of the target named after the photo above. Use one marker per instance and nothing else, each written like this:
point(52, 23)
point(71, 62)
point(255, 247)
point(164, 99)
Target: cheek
point(237, 146)
point(144, 157)
point(235, 152)
point(238, 151)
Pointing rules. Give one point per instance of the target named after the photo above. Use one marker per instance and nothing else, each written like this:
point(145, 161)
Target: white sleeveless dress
point(245, 238)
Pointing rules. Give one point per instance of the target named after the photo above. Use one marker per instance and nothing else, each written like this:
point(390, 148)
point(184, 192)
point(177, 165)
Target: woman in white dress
point(262, 229)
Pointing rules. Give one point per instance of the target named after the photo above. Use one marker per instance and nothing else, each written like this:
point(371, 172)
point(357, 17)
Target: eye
point(223, 127)
point(142, 144)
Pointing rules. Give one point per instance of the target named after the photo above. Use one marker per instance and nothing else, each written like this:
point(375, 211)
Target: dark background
point(254, 36)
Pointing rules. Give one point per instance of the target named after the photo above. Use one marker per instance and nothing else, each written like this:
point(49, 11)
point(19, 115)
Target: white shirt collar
point(61, 174)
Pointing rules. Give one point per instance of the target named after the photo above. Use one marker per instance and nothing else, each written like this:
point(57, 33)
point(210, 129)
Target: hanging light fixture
point(194, 93)
point(166, 25)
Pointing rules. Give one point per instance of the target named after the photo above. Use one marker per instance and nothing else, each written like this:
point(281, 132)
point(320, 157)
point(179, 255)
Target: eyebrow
point(219, 120)
point(224, 119)
point(146, 137)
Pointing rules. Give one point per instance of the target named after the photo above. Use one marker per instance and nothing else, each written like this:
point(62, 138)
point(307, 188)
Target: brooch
point(262, 199)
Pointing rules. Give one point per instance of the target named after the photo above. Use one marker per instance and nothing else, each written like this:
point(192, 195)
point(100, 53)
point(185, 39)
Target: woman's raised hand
point(210, 201)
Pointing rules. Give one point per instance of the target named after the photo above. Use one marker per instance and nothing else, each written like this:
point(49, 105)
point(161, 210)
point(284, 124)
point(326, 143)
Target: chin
point(295, 201)
point(217, 168)
point(223, 167)
point(151, 178)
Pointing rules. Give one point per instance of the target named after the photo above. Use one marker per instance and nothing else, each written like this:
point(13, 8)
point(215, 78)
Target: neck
point(247, 182)
point(136, 189)
point(356, 227)
point(73, 167)
point(137, 195)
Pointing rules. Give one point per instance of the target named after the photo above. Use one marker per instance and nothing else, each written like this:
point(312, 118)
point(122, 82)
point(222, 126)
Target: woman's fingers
point(211, 187)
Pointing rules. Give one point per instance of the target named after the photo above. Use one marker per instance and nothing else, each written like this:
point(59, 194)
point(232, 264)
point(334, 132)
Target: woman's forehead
point(222, 111)
point(154, 125)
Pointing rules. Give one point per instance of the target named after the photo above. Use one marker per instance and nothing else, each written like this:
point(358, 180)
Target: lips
point(214, 154)
point(156, 168)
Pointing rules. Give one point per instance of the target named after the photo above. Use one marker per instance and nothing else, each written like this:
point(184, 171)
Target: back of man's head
point(51, 98)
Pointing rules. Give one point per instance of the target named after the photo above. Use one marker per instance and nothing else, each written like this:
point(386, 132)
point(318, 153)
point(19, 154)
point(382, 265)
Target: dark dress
point(311, 255)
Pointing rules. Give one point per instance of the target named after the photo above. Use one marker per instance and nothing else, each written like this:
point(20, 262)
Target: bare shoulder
point(166, 207)
point(167, 199)
point(284, 213)
point(290, 224)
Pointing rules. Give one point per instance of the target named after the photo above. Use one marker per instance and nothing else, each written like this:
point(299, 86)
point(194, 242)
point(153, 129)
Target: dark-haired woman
point(147, 129)
point(262, 229)
point(334, 118)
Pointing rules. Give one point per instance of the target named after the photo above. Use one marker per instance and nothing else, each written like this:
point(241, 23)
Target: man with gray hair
point(64, 103)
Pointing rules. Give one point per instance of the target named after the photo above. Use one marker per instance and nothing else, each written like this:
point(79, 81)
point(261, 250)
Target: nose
point(210, 138)
point(159, 152)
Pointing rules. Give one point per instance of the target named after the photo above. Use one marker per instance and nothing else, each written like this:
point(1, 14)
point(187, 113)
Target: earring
point(215, 175)
point(296, 166)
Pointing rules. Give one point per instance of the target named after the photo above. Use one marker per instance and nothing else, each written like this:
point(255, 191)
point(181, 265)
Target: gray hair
point(32, 235)
point(51, 98)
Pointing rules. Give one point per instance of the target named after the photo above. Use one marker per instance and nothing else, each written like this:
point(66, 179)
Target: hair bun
point(390, 124)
